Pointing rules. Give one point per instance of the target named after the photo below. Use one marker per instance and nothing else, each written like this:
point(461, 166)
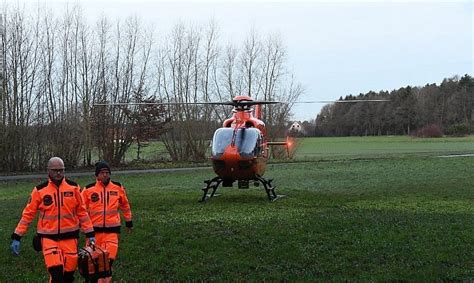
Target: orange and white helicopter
point(240, 149)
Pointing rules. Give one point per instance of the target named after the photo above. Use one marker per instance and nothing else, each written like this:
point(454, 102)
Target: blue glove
point(92, 241)
point(15, 246)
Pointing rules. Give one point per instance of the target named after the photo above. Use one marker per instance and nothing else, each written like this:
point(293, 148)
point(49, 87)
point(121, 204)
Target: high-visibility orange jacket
point(61, 212)
point(103, 204)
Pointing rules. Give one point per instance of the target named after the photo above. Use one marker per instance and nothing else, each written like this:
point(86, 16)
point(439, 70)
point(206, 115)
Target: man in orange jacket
point(104, 198)
point(61, 213)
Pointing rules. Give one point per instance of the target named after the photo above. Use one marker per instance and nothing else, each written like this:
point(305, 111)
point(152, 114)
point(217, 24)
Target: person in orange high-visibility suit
point(61, 213)
point(103, 200)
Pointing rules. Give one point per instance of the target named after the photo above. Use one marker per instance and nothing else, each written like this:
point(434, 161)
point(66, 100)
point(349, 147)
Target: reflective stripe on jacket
point(61, 211)
point(103, 204)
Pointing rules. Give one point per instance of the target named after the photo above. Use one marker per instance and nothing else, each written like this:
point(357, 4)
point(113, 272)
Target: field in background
point(383, 146)
point(346, 147)
point(155, 150)
point(384, 209)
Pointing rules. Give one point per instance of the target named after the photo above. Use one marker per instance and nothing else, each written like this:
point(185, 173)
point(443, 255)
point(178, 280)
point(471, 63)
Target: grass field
point(348, 147)
point(385, 146)
point(362, 209)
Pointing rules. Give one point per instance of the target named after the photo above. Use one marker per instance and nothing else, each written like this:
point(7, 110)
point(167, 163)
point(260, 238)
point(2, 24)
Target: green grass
point(311, 148)
point(154, 150)
point(405, 217)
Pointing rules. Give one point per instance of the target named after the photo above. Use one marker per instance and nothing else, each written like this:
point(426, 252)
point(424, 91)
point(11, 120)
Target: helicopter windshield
point(247, 141)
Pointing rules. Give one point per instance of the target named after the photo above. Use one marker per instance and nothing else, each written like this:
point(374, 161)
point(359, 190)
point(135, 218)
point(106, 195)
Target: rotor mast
point(258, 111)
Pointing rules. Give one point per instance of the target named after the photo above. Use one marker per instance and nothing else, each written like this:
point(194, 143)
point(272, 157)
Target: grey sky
point(334, 48)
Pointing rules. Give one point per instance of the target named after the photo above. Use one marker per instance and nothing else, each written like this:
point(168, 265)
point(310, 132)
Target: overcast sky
point(334, 48)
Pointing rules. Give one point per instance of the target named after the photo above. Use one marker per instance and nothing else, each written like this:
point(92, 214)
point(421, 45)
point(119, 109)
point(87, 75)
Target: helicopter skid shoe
point(277, 197)
point(267, 184)
point(210, 184)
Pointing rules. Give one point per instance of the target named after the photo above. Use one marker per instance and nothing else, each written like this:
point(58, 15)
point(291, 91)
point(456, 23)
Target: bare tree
point(186, 74)
point(251, 64)
point(120, 73)
point(229, 81)
point(21, 68)
point(87, 61)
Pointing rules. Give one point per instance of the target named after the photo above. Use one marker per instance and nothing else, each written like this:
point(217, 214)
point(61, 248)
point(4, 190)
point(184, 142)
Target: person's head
point(102, 171)
point(56, 169)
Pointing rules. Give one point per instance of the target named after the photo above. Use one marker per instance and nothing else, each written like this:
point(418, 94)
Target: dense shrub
point(428, 131)
point(458, 130)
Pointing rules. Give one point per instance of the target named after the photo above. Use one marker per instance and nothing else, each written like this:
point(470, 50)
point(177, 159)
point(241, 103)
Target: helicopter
point(240, 148)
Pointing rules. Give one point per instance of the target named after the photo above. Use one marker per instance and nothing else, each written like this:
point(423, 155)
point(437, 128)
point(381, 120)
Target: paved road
point(91, 173)
point(122, 172)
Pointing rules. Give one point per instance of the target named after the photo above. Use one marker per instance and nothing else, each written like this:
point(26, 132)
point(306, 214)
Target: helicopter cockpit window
point(222, 138)
point(247, 141)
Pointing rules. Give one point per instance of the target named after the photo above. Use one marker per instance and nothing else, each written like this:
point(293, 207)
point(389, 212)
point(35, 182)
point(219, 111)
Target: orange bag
point(93, 263)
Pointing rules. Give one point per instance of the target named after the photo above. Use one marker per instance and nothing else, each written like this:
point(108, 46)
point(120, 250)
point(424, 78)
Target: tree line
point(59, 71)
point(448, 108)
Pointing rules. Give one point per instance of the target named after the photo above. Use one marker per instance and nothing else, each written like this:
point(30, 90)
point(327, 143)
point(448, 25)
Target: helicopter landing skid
point(267, 184)
point(216, 181)
point(210, 184)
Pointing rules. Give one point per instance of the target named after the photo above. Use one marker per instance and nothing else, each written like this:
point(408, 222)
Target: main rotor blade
point(250, 103)
point(162, 103)
point(343, 101)
point(233, 103)
point(240, 103)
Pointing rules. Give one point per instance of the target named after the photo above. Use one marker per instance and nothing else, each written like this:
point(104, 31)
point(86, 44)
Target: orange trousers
point(60, 253)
